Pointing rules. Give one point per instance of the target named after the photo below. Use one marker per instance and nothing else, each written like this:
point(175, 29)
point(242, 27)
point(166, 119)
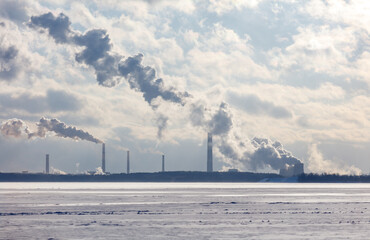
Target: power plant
point(47, 164)
point(288, 170)
point(209, 154)
point(103, 158)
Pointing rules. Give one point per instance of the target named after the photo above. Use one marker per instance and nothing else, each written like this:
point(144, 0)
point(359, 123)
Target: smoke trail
point(109, 67)
point(17, 128)
point(62, 130)
point(162, 124)
point(143, 79)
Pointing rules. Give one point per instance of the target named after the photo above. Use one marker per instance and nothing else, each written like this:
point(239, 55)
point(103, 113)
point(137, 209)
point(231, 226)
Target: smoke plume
point(259, 153)
point(162, 124)
point(58, 27)
point(109, 67)
point(216, 122)
point(270, 153)
point(18, 128)
point(143, 79)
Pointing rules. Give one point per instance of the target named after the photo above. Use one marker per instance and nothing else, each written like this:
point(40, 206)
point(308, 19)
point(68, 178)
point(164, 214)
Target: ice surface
point(184, 211)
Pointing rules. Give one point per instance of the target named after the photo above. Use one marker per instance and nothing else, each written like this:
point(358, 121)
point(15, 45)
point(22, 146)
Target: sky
point(276, 82)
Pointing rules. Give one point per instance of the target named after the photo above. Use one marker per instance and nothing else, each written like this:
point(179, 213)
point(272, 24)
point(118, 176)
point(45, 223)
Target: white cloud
point(352, 13)
point(222, 56)
point(223, 6)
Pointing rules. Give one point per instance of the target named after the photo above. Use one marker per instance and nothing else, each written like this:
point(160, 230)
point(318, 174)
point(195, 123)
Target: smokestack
point(128, 162)
point(209, 154)
point(162, 163)
point(47, 164)
point(103, 158)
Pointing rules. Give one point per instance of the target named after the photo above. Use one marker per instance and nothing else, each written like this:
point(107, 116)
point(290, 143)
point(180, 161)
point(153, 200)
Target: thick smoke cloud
point(260, 153)
point(270, 153)
point(143, 79)
point(58, 27)
point(109, 67)
point(96, 54)
point(18, 128)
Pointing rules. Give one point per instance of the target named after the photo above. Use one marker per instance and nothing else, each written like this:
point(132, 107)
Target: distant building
point(292, 170)
point(233, 170)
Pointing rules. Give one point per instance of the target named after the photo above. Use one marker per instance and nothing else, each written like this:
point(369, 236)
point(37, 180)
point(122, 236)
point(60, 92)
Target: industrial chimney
point(209, 154)
point(103, 158)
point(47, 164)
point(162, 163)
point(128, 162)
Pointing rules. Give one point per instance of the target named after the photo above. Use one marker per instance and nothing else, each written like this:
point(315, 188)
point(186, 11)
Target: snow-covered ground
point(184, 211)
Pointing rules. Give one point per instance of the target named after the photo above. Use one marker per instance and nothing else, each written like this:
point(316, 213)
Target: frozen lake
point(184, 211)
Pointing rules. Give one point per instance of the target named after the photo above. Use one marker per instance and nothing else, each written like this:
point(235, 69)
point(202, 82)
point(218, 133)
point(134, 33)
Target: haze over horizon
point(276, 82)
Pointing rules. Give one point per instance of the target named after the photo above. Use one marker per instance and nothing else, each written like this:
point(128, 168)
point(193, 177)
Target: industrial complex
point(287, 171)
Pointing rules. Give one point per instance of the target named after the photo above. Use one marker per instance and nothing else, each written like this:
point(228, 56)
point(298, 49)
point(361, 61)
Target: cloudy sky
point(275, 81)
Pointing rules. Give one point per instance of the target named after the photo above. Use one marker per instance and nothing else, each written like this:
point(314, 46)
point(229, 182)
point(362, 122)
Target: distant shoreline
point(181, 176)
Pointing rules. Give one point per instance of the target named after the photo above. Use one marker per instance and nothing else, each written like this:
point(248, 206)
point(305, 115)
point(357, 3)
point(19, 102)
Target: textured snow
point(184, 211)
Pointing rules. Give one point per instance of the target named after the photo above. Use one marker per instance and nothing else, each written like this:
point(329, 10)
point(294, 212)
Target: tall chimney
point(128, 162)
point(162, 163)
point(47, 164)
point(209, 154)
point(103, 158)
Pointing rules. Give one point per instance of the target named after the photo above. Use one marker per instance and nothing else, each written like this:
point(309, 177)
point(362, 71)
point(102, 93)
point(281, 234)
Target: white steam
point(17, 128)
point(317, 164)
